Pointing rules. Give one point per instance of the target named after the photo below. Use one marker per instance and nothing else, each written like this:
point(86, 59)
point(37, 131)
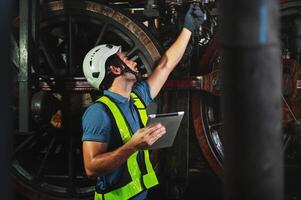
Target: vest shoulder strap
point(122, 125)
point(140, 107)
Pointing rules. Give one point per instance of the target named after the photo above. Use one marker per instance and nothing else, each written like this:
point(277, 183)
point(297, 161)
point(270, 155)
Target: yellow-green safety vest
point(138, 181)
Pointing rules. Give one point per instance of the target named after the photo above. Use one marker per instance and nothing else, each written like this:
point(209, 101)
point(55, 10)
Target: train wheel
point(47, 161)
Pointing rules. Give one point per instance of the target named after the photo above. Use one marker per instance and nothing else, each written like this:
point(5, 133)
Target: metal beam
point(24, 68)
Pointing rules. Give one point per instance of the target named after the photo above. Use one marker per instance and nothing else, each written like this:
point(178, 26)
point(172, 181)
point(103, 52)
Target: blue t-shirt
point(97, 126)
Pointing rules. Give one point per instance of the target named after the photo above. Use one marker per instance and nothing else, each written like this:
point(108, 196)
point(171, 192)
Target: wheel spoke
point(134, 58)
point(101, 34)
point(18, 133)
point(216, 125)
point(44, 160)
point(50, 61)
point(24, 143)
point(131, 52)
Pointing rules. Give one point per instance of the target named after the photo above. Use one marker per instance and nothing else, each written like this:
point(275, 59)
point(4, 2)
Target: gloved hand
point(194, 18)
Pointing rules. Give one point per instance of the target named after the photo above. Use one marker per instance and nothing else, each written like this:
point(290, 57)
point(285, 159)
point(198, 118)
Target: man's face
point(131, 64)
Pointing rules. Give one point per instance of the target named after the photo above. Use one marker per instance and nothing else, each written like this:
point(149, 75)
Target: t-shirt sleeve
point(143, 91)
point(96, 124)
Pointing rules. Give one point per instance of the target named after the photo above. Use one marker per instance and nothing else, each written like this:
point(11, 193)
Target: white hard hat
point(94, 63)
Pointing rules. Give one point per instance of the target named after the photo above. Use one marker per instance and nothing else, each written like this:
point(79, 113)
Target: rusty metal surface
point(204, 68)
point(291, 91)
point(201, 136)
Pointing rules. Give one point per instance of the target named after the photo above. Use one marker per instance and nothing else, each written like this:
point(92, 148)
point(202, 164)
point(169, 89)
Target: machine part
point(47, 160)
point(206, 109)
point(173, 2)
point(43, 106)
point(151, 10)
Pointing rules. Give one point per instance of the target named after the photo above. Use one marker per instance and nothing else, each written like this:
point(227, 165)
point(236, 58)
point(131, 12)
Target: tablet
point(171, 121)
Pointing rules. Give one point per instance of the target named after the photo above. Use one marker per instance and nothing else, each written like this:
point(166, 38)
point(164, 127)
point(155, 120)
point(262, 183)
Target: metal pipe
point(23, 78)
point(5, 114)
point(251, 73)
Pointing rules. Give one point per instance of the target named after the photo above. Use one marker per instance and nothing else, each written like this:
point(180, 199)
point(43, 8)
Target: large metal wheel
point(47, 161)
point(206, 106)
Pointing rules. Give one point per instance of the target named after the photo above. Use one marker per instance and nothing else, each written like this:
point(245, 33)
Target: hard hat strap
point(126, 69)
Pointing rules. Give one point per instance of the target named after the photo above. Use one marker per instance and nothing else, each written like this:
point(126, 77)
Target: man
point(115, 136)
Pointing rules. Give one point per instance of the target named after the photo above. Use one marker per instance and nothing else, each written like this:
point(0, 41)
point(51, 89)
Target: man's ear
point(115, 70)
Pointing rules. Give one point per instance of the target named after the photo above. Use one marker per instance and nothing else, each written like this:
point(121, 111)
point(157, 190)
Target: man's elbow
point(93, 172)
point(90, 173)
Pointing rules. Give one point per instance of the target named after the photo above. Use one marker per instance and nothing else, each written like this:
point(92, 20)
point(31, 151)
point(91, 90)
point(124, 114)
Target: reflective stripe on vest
point(143, 117)
point(135, 186)
point(140, 107)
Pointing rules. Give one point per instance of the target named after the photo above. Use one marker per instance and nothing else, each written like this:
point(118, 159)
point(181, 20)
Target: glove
point(194, 18)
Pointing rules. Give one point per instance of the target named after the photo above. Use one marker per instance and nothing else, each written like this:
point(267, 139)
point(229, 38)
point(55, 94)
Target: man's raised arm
point(193, 20)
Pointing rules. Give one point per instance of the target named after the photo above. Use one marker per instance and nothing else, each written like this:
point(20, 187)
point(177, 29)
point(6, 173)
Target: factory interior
point(237, 83)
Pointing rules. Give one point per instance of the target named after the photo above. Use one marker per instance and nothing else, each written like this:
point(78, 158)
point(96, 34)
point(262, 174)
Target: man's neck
point(122, 88)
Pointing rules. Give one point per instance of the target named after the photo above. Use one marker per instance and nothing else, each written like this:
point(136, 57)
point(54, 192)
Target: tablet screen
point(171, 121)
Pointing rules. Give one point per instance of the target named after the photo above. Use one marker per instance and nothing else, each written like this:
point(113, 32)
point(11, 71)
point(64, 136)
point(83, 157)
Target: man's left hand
point(194, 18)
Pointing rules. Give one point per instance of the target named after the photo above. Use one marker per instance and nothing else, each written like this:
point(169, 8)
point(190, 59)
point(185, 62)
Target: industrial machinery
point(49, 40)
point(207, 112)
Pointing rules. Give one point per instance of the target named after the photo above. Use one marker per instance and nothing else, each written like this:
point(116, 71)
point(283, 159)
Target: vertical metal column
point(5, 100)
point(252, 99)
point(24, 69)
